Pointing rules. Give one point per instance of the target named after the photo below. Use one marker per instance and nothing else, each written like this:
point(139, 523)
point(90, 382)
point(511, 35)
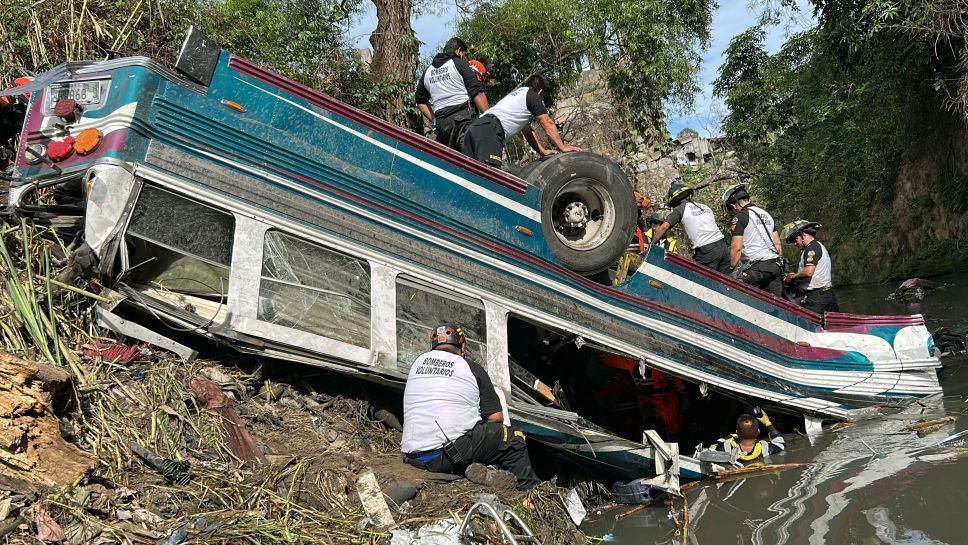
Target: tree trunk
point(395, 60)
point(33, 455)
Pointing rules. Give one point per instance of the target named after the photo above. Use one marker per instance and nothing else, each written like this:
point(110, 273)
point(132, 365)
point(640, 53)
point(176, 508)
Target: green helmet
point(660, 214)
point(794, 228)
point(677, 192)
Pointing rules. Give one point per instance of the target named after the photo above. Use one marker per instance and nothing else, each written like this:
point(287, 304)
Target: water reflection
point(906, 491)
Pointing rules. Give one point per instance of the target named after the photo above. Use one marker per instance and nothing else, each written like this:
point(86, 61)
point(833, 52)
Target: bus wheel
point(588, 209)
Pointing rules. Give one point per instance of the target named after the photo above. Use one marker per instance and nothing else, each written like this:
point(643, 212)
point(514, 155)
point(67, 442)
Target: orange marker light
point(655, 284)
point(234, 105)
point(523, 230)
point(87, 141)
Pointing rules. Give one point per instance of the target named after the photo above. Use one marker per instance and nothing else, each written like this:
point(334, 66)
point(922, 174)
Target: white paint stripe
point(808, 377)
point(497, 198)
point(120, 118)
point(874, 348)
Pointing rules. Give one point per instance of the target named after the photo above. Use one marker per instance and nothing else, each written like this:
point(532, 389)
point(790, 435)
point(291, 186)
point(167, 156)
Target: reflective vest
point(759, 455)
point(668, 243)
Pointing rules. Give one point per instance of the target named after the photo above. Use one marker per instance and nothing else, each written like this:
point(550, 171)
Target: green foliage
point(303, 39)
point(688, 131)
point(648, 50)
point(833, 127)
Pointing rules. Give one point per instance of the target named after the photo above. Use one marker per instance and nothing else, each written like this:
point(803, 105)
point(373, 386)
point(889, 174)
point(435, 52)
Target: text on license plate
point(84, 92)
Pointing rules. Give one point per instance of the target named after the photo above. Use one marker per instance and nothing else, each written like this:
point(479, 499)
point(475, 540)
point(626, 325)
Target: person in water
point(745, 446)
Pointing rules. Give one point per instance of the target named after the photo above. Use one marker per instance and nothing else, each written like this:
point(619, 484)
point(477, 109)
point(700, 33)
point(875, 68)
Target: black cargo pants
point(450, 125)
point(714, 255)
point(489, 443)
point(484, 140)
point(820, 301)
point(766, 275)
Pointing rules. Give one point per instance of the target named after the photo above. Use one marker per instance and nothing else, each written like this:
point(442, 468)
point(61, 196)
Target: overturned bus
point(221, 198)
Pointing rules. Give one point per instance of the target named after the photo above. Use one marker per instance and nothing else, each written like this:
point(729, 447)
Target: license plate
point(83, 92)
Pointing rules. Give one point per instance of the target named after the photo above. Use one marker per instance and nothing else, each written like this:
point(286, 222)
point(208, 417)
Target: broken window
point(177, 245)
point(172, 221)
point(421, 308)
point(307, 287)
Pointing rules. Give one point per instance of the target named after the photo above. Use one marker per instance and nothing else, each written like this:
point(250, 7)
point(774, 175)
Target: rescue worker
point(708, 242)
point(487, 134)
point(452, 416)
point(813, 280)
point(637, 246)
point(746, 446)
point(658, 217)
point(448, 93)
point(755, 256)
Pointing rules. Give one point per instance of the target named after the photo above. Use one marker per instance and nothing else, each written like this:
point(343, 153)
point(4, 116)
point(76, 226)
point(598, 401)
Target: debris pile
point(107, 442)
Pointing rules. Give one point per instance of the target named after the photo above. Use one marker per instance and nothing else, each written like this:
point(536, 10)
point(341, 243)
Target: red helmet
point(448, 333)
point(479, 68)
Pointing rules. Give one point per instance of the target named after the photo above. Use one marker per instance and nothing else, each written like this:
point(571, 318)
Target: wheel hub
point(576, 215)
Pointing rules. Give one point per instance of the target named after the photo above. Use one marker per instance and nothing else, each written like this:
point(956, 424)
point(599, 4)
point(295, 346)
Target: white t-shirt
point(516, 109)
point(698, 221)
point(444, 398)
point(816, 254)
point(756, 227)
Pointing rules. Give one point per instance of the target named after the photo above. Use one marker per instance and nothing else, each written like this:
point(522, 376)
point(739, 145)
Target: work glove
point(762, 417)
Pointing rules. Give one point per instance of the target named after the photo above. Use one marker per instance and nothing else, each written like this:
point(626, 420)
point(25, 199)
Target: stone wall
point(589, 120)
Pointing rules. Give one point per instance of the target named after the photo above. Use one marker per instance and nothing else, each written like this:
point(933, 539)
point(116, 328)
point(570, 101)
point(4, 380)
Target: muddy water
point(896, 488)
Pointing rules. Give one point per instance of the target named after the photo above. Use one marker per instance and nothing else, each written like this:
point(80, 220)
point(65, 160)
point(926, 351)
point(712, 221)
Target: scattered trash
point(442, 532)
point(574, 506)
point(174, 472)
point(117, 353)
point(47, 528)
point(372, 499)
point(913, 289)
point(632, 493)
point(210, 395)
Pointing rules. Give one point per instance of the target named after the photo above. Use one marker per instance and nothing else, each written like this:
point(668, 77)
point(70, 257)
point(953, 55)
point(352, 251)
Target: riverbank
point(226, 450)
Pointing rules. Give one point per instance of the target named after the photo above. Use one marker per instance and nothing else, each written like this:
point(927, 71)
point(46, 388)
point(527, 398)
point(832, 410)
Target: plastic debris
point(47, 528)
point(573, 505)
point(372, 499)
point(117, 353)
point(442, 532)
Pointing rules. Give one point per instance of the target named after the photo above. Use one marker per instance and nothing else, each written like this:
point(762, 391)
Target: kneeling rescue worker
point(746, 445)
point(813, 280)
point(452, 416)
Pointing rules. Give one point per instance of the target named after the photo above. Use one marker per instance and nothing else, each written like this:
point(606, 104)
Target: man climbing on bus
point(451, 93)
point(745, 446)
point(487, 134)
point(453, 419)
point(755, 256)
point(708, 242)
point(813, 281)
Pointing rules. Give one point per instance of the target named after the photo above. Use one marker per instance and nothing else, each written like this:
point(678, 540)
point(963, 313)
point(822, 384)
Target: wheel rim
point(583, 214)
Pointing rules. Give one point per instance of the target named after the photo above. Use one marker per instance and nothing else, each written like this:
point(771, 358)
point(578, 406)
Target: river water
point(897, 488)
